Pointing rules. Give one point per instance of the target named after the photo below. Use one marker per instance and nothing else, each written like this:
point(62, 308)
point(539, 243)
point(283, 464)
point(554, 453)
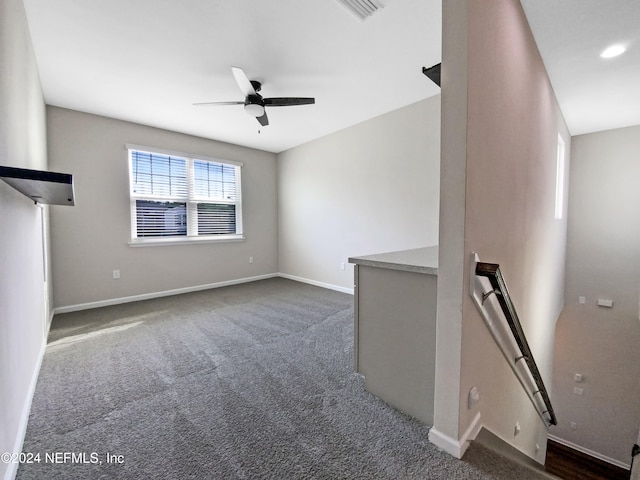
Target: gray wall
point(500, 132)
point(24, 294)
point(90, 240)
point(603, 260)
point(370, 188)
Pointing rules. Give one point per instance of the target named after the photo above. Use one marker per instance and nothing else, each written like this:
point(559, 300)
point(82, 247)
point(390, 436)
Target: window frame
point(560, 173)
point(191, 200)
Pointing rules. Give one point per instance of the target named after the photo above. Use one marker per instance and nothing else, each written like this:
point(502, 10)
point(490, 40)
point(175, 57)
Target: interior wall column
point(451, 263)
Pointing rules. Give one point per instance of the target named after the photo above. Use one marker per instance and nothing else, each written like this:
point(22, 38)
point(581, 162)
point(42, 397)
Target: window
point(560, 178)
point(176, 198)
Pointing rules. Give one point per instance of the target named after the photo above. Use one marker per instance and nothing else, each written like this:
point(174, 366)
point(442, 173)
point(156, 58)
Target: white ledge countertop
point(418, 260)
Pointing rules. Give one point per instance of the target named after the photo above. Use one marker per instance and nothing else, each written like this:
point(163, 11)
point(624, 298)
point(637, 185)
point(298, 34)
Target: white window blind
point(175, 196)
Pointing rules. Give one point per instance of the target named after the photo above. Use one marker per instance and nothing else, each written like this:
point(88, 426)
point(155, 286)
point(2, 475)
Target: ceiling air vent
point(362, 9)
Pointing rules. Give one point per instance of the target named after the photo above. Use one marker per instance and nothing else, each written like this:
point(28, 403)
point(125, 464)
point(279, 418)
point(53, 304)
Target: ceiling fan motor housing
point(257, 86)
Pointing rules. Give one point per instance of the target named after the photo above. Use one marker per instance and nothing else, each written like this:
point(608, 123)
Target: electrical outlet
point(573, 426)
point(250, 259)
point(578, 390)
point(116, 274)
point(342, 266)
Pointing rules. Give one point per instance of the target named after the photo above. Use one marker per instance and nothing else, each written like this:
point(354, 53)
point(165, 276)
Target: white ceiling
point(594, 93)
point(147, 61)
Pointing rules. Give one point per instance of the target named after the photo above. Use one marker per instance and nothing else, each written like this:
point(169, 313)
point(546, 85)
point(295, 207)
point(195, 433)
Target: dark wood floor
point(569, 464)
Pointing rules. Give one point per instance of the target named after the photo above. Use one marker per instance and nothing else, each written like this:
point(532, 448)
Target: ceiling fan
point(254, 103)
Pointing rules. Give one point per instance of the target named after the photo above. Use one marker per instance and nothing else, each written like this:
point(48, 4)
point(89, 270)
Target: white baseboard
point(591, 453)
point(454, 447)
point(177, 291)
point(48, 325)
point(317, 283)
point(12, 469)
point(165, 293)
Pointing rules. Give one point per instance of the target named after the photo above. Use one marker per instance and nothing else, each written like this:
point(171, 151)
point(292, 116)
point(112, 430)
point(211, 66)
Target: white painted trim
point(167, 241)
point(472, 430)
point(445, 442)
point(12, 469)
point(317, 283)
point(197, 288)
point(173, 153)
point(165, 293)
point(46, 333)
point(591, 453)
point(456, 448)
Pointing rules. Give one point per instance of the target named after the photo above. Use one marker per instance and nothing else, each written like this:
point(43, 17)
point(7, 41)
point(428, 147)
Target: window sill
point(156, 242)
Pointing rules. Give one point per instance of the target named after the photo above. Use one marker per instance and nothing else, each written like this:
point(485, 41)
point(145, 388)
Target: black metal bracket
point(433, 73)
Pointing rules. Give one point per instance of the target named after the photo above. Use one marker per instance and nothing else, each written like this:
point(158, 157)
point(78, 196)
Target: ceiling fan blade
point(204, 104)
point(243, 82)
point(264, 121)
point(288, 101)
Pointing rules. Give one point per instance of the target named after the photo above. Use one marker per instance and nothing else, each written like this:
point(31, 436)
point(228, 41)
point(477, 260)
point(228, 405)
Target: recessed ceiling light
point(613, 51)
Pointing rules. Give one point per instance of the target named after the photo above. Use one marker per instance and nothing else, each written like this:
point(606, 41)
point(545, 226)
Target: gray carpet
point(253, 381)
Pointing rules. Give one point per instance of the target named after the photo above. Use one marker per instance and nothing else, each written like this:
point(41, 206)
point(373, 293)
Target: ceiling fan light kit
point(253, 103)
point(254, 109)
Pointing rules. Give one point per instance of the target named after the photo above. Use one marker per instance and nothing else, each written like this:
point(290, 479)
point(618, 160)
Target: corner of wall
point(24, 293)
point(456, 447)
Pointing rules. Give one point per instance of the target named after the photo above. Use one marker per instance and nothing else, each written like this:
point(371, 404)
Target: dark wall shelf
point(49, 188)
point(433, 73)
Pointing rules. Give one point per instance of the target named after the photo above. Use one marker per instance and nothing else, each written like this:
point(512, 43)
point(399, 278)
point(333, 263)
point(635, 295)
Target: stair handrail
point(492, 272)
